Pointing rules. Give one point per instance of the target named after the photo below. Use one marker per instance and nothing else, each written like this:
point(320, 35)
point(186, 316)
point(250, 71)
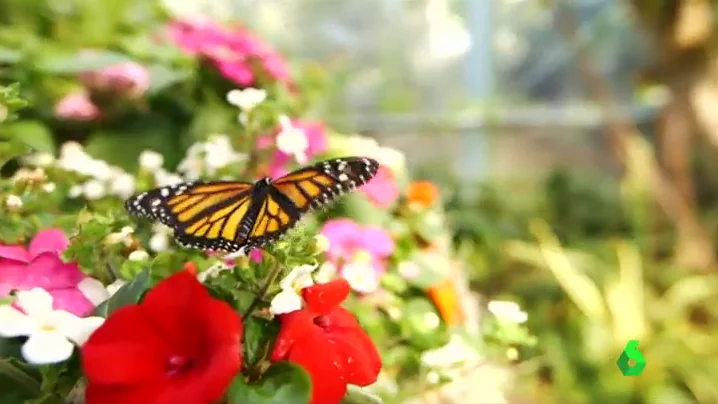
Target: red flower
point(327, 341)
point(178, 344)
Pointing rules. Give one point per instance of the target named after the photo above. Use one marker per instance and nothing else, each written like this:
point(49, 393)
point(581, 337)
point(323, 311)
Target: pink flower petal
point(11, 274)
point(342, 235)
point(47, 271)
point(71, 300)
point(377, 241)
point(14, 252)
point(49, 240)
point(382, 190)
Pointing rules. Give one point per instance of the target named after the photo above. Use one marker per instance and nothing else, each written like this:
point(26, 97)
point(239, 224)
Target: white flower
point(122, 185)
point(386, 156)
point(212, 271)
point(122, 236)
point(289, 299)
point(49, 187)
point(292, 140)
point(115, 286)
point(507, 311)
point(325, 273)
point(160, 237)
point(93, 189)
point(246, 99)
point(408, 269)
point(360, 274)
point(51, 332)
point(13, 201)
point(39, 159)
point(322, 243)
point(93, 290)
point(151, 160)
point(27, 175)
point(138, 255)
point(75, 191)
point(455, 352)
point(207, 157)
point(164, 178)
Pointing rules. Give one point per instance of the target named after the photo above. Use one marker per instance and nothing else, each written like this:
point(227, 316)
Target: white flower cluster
point(208, 157)
point(104, 179)
point(152, 162)
point(369, 147)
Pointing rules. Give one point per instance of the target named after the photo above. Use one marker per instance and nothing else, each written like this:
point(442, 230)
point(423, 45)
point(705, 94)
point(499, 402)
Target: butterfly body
point(234, 216)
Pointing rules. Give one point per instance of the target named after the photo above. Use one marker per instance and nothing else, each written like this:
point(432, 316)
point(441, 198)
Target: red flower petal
point(180, 293)
point(192, 342)
point(125, 349)
point(295, 326)
point(361, 360)
point(106, 394)
point(317, 356)
point(325, 297)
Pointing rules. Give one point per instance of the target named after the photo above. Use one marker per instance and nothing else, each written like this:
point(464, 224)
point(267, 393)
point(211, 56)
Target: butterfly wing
point(293, 195)
point(205, 215)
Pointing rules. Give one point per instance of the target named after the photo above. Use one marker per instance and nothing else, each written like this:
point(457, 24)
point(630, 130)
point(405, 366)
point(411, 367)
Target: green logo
point(631, 362)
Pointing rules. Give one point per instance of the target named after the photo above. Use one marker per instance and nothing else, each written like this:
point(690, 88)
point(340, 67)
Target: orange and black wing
point(205, 215)
point(291, 196)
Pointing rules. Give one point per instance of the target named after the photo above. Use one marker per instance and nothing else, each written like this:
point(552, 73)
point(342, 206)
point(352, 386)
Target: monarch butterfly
point(233, 216)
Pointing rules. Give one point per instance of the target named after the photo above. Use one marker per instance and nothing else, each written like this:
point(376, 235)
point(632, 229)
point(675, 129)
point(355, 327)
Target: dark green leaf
point(283, 383)
point(121, 145)
point(10, 347)
point(129, 293)
point(357, 395)
point(258, 336)
point(16, 385)
point(32, 133)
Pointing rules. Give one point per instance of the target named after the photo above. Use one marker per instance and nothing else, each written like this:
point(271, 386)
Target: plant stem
point(276, 269)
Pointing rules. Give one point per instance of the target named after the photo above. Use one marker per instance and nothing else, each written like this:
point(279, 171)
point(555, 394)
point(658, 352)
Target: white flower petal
point(93, 290)
point(47, 347)
point(298, 278)
point(78, 330)
point(285, 301)
point(35, 302)
point(13, 323)
point(361, 277)
point(115, 286)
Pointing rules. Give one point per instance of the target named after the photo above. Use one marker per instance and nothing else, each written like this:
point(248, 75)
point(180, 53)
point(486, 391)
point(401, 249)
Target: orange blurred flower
point(446, 298)
point(423, 193)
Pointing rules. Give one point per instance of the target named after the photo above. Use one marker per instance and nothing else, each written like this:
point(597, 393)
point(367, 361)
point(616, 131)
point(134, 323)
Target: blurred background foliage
point(577, 149)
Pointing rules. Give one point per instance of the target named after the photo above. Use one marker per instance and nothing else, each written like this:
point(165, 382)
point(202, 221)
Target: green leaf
point(32, 133)
point(120, 146)
point(10, 347)
point(12, 149)
point(9, 56)
point(357, 395)
point(129, 293)
point(433, 269)
point(421, 325)
point(283, 383)
point(16, 385)
point(162, 77)
point(258, 336)
point(81, 62)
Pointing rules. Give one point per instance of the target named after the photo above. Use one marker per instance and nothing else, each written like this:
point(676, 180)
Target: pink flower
point(317, 143)
point(40, 266)
point(382, 190)
point(77, 107)
point(236, 53)
point(128, 78)
point(358, 252)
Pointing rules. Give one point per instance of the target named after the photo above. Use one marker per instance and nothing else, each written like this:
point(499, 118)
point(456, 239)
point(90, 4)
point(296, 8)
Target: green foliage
point(282, 383)
point(129, 293)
